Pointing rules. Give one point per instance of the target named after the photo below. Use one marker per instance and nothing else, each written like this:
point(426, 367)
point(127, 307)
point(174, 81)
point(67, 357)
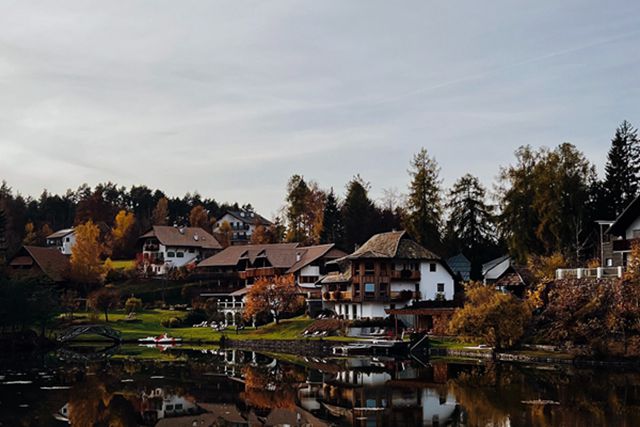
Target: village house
point(63, 240)
point(621, 234)
point(507, 276)
point(39, 262)
point(231, 272)
point(387, 275)
point(243, 224)
point(165, 248)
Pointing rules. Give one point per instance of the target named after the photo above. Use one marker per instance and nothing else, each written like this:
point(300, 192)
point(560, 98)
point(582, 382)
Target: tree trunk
point(106, 316)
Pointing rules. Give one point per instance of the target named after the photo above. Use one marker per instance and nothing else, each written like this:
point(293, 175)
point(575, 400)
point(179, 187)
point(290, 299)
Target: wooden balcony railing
point(405, 275)
point(257, 272)
point(404, 295)
point(336, 296)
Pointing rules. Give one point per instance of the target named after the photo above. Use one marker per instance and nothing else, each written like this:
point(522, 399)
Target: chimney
point(298, 257)
point(181, 229)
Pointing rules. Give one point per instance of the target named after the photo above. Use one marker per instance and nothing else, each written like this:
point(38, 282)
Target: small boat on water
point(160, 339)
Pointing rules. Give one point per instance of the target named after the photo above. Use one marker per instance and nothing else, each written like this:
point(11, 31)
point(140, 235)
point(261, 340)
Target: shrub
point(132, 304)
point(171, 322)
point(194, 317)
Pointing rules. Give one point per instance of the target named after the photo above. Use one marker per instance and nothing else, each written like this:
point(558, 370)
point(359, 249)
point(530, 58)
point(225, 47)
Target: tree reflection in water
point(219, 388)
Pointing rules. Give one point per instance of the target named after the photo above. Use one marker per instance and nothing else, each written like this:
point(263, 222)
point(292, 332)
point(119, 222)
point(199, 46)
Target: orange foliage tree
point(198, 217)
point(160, 215)
point(122, 232)
point(277, 296)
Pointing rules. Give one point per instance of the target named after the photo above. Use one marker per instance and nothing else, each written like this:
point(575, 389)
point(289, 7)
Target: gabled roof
point(60, 233)
point(460, 264)
point(515, 276)
point(488, 266)
point(626, 218)
point(247, 217)
point(233, 254)
point(394, 244)
point(183, 237)
point(51, 261)
point(307, 255)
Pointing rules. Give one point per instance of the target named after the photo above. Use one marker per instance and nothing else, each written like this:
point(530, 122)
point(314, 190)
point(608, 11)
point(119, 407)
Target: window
point(169, 407)
point(369, 287)
point(354, 308)
point(440, 287)
point(432, 267)
point(178, 406)
point(171, 254)
point(180, 254)
point(636, 234)
point(369, 268)
point(191, 250)
point(68, 239)
point(609, 262)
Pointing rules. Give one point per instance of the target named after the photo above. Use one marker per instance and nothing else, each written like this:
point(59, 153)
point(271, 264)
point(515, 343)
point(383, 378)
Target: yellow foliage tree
point(123, 225)
point(87, 267)
point(30, 235)
point(499, 319)
point(225, 232)
point(544, 268)
point(633, 263)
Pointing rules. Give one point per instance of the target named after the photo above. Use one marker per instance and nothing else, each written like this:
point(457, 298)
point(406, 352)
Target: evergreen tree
point(424, 204)
point(471, 225)
point(3, 239)
point(297, 197)
point(332, 229)
point(622, 171)
point(358, 214)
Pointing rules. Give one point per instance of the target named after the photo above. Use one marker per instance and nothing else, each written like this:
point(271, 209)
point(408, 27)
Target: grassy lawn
point(124, 264)
point(451, 344)
point(150, 325)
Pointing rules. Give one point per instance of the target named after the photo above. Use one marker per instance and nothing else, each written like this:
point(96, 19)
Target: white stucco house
point(63, 240)
point(165, 248)
point(388, 272)
point(243, 224)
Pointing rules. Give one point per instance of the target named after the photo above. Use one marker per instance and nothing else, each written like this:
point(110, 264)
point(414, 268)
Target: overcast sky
point(232, 98)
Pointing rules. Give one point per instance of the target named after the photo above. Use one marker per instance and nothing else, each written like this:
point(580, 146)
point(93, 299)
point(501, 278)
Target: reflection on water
point(233, 388)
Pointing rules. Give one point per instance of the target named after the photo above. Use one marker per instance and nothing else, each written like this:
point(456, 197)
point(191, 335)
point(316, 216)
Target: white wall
point(310, 270)
point(429, 281)
point(634, 226)
point(67, 245)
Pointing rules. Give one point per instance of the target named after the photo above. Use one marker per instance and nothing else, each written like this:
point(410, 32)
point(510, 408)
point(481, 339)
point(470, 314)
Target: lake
point(200, 387)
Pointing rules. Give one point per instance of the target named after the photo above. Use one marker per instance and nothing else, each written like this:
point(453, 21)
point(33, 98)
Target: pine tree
point(424, 204)
point(160, 214)
point(297, 197)
point(471, 223)
point(358, 214)
point(332, 229)
point(3, 238)
point(622, 171)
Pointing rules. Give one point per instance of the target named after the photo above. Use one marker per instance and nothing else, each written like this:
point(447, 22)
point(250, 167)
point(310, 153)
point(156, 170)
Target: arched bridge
point(102, 330)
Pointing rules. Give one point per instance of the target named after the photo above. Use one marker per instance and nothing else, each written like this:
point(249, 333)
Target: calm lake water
point(134, 386)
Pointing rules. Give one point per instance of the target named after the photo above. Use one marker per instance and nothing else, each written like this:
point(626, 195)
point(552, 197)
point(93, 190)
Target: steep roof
point(232, 255)
point(460, 264)
point(183, 237)
point(394, 244)
point(248, 217)
point(307, 255)
point(626, 218)
point(60, 233)
point(51, 261)
point(490, 265)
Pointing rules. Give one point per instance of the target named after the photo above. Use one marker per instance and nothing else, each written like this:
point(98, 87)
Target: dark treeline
point(29, 220)
point(544, 204)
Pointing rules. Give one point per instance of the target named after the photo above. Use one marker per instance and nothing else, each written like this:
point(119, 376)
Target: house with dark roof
point(36, 261)
point(165, 248)
point(507, 276)
point(243, 224)
point(621, 234)
point(387, 273)
point(63, 240)
point(460, 265)
point(239, 266)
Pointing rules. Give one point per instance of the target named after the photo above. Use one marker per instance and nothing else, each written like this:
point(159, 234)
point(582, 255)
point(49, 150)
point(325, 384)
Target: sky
point(230, 99)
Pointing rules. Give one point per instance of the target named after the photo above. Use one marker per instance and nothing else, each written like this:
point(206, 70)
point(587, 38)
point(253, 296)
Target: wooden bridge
point(101, 330)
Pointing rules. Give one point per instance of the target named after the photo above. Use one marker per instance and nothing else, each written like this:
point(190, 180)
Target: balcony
point(336, 296)
point(153, 257)
point(405, 295)
point(257, 272)
point(624, 245)
point(405, 275)
point(150, 247)
point(584, 273)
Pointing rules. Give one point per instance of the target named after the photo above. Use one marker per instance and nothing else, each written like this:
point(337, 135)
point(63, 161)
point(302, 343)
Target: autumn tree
point(424, 203)
point(122, 236)
point(622, 170)
point(498, 318)
point(224, 234)
point(103, 300)
point(30, 235)
point(358, 214)
point(87, 267)
point(297, 196)
point(199, 217)
point(277, 296)
point(160, 214)
point(44, 232)
point(471, 224)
